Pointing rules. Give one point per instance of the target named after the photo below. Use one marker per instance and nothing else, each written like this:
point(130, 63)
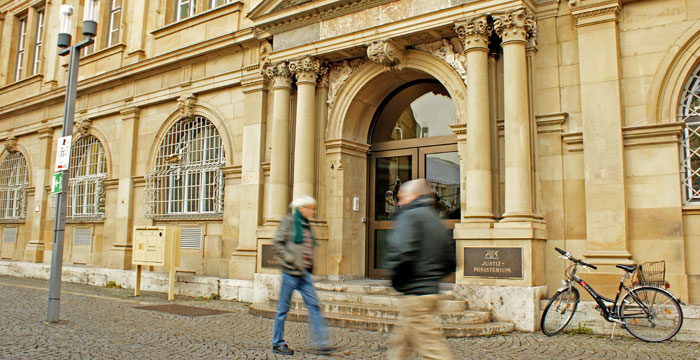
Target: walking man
point(294, 247)
point(420, 253)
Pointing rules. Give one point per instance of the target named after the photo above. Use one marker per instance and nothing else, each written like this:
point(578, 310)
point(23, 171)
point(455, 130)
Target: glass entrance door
point(439, 165)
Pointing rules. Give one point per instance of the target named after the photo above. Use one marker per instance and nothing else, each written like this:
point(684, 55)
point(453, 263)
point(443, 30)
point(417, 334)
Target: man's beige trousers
point(419, 330)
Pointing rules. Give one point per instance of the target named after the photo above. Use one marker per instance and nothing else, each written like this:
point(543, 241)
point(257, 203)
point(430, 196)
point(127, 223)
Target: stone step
point(374, 287)
point(391, 301)
point(384, 325)
point(383, 312)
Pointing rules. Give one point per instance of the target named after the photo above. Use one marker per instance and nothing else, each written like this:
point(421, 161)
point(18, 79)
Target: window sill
point(12, 221)
point(691, 209)
point(101, 54)
point(21, 83)
point(183, 218)
point(85, 221)
point(197, 19)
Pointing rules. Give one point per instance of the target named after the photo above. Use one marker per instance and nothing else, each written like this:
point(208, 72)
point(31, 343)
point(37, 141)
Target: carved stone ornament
point(387, 53)
point(307, 69)
point(11, 144)
point(185, 105)
point(265, 51)
point(338, 75)
point(474, 32)
point(448, 52)
point(83, 126)
point(279, 73)
point(515, 25)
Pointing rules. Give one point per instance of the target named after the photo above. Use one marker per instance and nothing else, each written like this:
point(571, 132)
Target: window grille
point(82, 237)
point(86, 192)
point(9, 235)
point(689, 113)
point(20, 47)
point(38, 42)
point(191, 237)
point(187, 181)
point(115, 13)
point(13, 183)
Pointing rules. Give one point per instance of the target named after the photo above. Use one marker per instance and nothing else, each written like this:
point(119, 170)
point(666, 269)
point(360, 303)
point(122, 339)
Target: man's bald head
point(412, 190)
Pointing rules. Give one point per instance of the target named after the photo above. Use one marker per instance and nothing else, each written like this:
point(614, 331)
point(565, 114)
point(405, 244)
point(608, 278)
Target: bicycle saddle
point(628, 268)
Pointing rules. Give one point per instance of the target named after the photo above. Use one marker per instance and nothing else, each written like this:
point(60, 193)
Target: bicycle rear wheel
point(559, 311)
point(651, 314)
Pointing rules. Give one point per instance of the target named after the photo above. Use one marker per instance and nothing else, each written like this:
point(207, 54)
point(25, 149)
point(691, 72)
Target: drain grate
point(182, 310)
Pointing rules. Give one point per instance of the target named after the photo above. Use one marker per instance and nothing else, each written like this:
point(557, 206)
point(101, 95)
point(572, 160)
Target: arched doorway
point(410, 137)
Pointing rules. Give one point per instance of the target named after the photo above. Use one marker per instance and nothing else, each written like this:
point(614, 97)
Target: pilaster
point(34, 251)
point(121, 251)
point(135, 31)
point(603, 148)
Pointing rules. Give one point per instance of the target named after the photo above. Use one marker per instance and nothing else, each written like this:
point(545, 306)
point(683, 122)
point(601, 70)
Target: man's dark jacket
point(420, 250)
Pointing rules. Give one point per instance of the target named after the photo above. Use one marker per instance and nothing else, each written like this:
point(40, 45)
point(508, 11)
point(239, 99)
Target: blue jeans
point(305, 286)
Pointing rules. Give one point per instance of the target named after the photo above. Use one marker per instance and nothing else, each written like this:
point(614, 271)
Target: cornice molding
point(551, 123)
point(668, 133)
point(596, 13)
point(346, 147)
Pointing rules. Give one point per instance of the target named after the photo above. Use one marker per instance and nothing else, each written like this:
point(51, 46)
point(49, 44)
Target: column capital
point(387, 53)
point(474, 33)
point(307, 69)
point(280, 74)
point(595, 12)
point(46, 132)
point(516, 25)
point(130, 113)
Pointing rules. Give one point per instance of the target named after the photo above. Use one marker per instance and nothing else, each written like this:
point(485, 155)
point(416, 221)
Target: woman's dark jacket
point(420, 249)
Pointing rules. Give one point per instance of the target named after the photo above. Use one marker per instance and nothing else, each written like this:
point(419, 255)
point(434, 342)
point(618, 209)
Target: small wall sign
point(268, 258)
point(493, 262)
point(56, 183)
point(63, 153)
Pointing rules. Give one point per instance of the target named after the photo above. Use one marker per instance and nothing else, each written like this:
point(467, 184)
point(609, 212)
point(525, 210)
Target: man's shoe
point(326, 350)
point(282, 350)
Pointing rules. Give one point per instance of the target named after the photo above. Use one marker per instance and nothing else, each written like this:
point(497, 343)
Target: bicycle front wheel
point(651, 314)
point(559, 311)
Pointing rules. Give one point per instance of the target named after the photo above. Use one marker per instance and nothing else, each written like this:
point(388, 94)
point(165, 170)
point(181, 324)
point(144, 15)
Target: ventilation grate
point(9, 235)
point(82, 237)
point(191, 238)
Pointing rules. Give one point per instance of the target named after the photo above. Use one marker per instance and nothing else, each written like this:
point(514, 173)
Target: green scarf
point(300, 223)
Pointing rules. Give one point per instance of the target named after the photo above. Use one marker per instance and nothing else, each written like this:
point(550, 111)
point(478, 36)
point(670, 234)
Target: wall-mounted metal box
point(156, 245)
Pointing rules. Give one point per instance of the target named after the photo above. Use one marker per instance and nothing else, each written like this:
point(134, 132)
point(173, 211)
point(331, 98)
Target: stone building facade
point(540, 124)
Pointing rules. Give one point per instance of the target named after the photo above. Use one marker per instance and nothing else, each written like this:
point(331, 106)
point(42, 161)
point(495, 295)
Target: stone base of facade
point(120, 256)
point(242, 264)
point(518, 305)
point(34, 252)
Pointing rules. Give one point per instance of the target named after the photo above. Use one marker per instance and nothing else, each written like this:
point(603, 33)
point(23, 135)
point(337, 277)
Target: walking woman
point(294, 244)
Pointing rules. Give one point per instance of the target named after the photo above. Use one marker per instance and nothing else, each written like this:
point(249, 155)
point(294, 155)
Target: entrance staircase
point(373, 305)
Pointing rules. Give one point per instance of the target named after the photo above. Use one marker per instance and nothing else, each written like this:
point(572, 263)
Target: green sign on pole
point(57, 183)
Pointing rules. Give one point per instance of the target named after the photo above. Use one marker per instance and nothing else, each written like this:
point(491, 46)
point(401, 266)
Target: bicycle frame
point(609, 312)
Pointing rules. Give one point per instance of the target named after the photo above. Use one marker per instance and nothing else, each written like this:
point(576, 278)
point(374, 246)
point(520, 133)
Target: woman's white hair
point(302, 201)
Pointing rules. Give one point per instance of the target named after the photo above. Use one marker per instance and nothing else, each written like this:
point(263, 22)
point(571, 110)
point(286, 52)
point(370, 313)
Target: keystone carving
point(307, 69)
point(474, 32)
point(280, 74)
point(83, 126)
point(387, 53)
point(515, 25)
point(445, 50)
point(185, 105)
point(11, 144)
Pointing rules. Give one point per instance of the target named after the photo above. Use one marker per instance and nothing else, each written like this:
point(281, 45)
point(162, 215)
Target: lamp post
point(64, 43)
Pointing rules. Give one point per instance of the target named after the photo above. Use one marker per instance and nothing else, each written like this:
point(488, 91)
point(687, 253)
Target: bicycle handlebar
point(575, 260)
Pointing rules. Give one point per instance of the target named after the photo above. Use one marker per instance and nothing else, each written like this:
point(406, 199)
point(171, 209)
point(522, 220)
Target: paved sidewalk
point(101, 323)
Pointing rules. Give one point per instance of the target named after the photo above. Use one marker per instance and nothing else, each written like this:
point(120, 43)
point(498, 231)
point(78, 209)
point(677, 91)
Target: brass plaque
point(494, 262)
point(268, 258)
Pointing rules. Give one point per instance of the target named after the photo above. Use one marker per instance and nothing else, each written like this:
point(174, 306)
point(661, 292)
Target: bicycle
point(647, 311)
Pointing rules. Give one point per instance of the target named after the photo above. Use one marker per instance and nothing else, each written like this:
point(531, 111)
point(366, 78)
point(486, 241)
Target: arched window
point(13, 183)
point(88, 169)
point(689, 113)
point(187, 181)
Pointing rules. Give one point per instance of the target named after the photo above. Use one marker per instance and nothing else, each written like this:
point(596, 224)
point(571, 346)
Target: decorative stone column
point(474, 34)
point(121, 250)
point(306, 70)
point(34, 251)
point(514, 27)
point(278, 198)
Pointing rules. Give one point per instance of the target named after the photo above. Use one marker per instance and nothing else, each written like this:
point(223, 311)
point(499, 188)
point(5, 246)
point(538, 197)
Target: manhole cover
point(182, 310)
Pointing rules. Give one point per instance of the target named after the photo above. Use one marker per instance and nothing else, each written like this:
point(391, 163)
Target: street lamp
point(92, 8)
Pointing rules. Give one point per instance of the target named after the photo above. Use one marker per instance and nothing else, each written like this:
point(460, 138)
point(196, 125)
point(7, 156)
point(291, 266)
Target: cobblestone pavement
point(100, 323)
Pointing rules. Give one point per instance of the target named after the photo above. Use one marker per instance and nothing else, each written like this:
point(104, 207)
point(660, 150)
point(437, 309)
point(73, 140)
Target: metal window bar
point(689, 113)
point(115, 12)
point(20, 48)
point(13, 183)
point(38, 42)
point(86, 184)
point(187, 181)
